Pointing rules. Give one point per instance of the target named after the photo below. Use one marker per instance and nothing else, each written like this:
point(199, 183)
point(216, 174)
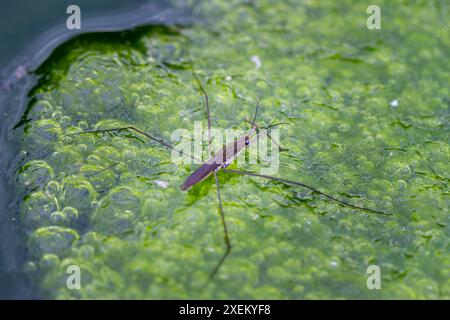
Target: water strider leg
point(289, 182)
point(255, 125)
point(205, 95)
point(131, 128)
point(254, 117)
point(225, 231)
point(221, 212)
point(104, 169)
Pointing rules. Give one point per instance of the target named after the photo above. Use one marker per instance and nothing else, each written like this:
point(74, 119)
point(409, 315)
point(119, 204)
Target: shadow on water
point(18, 77)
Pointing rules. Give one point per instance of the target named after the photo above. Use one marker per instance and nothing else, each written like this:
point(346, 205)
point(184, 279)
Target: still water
point(28, 34)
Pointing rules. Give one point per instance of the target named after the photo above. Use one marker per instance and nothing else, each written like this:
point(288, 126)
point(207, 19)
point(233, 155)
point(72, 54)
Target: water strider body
point(219, 161)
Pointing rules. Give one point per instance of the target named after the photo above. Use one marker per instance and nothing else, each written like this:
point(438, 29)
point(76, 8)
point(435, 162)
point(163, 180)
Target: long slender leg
point(225, 231)
point(254, 117)
point(255, 125)
point(104, 169)
point(128, 128)
point(221, 212)
point(205, 95)
point(305, 186)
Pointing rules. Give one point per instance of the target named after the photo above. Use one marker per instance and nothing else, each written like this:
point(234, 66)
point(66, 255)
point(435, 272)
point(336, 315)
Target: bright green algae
point(325, 75)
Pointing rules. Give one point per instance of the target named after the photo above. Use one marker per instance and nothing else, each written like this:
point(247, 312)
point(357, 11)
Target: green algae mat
point(365, 117)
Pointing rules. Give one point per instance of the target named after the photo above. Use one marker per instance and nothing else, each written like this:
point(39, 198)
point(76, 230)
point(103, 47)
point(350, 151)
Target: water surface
point(97, 201)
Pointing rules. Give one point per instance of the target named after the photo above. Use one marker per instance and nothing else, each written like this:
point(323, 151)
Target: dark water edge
point(17, 79)
point(13, 283)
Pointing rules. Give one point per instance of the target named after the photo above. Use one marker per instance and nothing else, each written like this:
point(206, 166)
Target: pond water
point(28, 35)
point(365, 118)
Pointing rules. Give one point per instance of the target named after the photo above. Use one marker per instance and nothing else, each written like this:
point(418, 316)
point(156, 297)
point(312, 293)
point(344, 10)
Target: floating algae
point(97, 202)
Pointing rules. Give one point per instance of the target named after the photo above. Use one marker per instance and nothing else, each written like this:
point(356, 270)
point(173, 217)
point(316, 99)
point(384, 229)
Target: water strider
point(221, 160)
